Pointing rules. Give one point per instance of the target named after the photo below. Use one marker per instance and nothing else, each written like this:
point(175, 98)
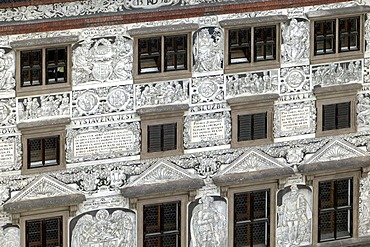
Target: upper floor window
point(172, 50)
point(337, 35)
point(43, 152)
point(44, 232)
point(252, 44)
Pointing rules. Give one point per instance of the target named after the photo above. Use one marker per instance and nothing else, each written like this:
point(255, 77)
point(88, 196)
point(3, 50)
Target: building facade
point(184, 123)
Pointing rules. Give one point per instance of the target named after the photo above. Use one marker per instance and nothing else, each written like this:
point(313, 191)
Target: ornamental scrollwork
point(207, 130)
point(162, 93)
point(296, 118)
point(337, 73)
point(111, 227)
point(296, 41)
point(367, 35)
point(102, 100)
point(295, 79)
point(7, 112)
point(207, 89)
point(364, 207)
point(106, 59)
point(252, 83)
point(32, 108)
point(10, 236)
point(103, 142)
point(363, 110)
point(7, 70)
point(208, 49)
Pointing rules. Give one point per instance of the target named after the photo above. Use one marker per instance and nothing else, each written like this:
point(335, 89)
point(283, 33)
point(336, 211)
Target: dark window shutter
point(169, 136)
point(259, 126)
point(244, 127)
point(328, 117)
point(154, 138)
point(343, 115)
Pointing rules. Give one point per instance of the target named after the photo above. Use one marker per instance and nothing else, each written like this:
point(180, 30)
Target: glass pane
point(343, 223)
point(260, 234)
point(326, 194)
point(343, 195)
point(259, 205)
point(149, 55)
point(51, 151)
point(240, 46)
point(151, 219)
point(242, 235)
point(327, 225)
point(35, 153)
point(242, 211)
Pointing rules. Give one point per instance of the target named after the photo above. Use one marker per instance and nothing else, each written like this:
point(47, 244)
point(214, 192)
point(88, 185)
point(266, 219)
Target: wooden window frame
point(335, 95)
point(337, 55)
point(44, 87)
point(248, 106)
point(355, 175)
point(162, 75)
point(43, 132)
point(252, 65)
point(42, 151)
point(252, 129)
point(183, 199)
point(272, 187)
point(42, 230)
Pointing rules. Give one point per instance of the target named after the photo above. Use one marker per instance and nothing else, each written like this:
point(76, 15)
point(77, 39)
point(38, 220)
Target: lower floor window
point(335, 209)
point(162, 137)
point(44, 232)
point(162, 224)
point(43, 152)
point(251, 218)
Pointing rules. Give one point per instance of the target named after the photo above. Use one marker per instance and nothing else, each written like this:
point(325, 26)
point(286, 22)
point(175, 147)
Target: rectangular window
point(162, 137)
point(172, 50)
point(336, 116)
point(43, 152)
point(161, 226)
point(337, 35)
point(261, 41)
point(335, 209)
point(44, 232)
point(252, 218)
point(43, 66)
point(252, 126)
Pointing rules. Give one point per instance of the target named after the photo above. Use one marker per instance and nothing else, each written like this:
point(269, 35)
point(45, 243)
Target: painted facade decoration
point(103, 134)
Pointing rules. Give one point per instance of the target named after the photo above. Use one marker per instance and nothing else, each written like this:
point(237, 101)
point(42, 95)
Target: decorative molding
point(102, 100)
point(207, 89)
point(252, 160)
point(43, 186)
point(101, 60)
point(295, 42)
point(161, 172)
point(217, 106)
point(364, 207)
point(295, 118)
point(103, 142)
point(162, 93)
point(363, 111)
point(8, 111)
point(7, 70)
point(104, 201)
point(337, 73)
point(252, 83)
point(295, 79)
point(212, 129)
point(110, 227)
point(336, 149)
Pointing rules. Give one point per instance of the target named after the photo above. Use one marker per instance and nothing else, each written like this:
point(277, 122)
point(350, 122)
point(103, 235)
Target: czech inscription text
point(207, 130)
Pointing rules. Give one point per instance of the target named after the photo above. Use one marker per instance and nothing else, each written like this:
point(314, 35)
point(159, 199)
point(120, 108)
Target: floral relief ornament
point(207, 89)
point(7, 70)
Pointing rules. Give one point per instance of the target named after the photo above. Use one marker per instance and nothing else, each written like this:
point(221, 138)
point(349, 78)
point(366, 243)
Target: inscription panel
point(294, 119)
point(7, 152)
point(207, 130)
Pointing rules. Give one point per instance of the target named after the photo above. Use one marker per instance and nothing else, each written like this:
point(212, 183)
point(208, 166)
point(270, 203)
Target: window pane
point(149, 55)
point(349, 34)
point(175, 52)
point(324, 37)
point(265, 43)
point(45, 232)
point(35, 153)
point(56, 61)
point(343, 223)
point(31, 68)
point(327, 225)
point(51, 150)
point(43, 151)
point(240, 46)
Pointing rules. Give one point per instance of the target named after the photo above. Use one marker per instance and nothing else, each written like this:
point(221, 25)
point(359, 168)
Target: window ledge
point(263, 20)
point(338, 12)
point(181, 28)
point(44, 42)
point(43, 123)
point(349, 242)
point(336, 91)
point(254, 100)
point(162, 110)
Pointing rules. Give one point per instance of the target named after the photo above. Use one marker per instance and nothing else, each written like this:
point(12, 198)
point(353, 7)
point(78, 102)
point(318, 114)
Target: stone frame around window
point(257, 22)
point(161, 32)
point(250, 188)
point(336, 14)
point(43, 44)
point(333, 95)
point(355, 175)
point(162, 115)
point(251, 105)
point(182, 198)
point(39, 130)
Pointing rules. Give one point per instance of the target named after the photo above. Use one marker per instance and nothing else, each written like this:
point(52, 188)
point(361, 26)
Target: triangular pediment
point(161, 172)
point(252, 160)
point(336, 150)
point(43, 187)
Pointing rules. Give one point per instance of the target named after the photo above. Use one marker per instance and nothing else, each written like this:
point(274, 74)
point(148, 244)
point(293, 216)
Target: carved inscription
point(293, 119)
point(104, 142)
point(207, 130)
point(7, 152)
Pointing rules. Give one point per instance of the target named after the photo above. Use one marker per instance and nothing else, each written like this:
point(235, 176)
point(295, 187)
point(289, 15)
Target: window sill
point(336, 57)
point(248, 67)
point(163, 76)
point(43, 89)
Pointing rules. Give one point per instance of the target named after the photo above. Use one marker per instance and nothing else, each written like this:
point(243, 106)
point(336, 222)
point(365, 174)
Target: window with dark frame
point(170, 49)
point(336, 116)
point(43, 66)
point(44, 232)
point(335, 209)
point(252, 218)
point(260, 40)
point(42, 152)
point(325, 35)
point(161, 226)
point(162, 137)
point(252, 126)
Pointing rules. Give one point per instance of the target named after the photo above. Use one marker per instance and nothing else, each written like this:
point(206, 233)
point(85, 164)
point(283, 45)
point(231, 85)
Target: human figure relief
point(295, 41)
